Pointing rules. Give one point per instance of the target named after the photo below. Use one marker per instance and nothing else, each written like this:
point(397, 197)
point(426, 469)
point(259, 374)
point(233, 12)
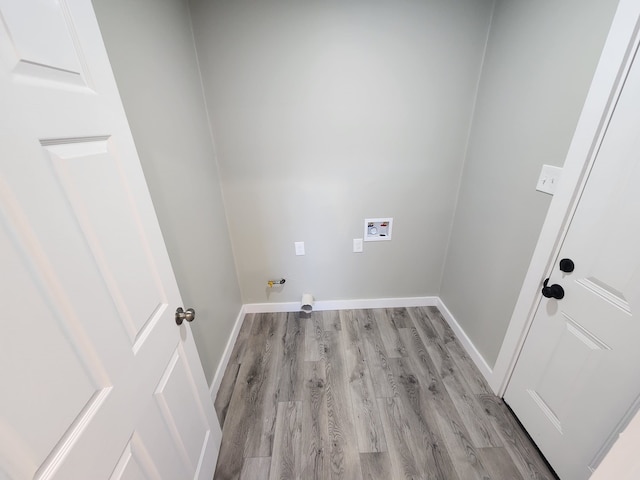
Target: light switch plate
point(357, 245)
point(299, 248)
point(549, 177)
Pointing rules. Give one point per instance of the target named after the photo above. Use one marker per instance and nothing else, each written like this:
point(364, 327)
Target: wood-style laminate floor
point(364, 394)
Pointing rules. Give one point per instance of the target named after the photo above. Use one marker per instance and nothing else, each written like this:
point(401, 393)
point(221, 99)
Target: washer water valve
point(377, 229)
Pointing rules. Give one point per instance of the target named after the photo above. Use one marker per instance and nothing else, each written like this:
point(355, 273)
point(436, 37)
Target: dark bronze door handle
point(554, 291)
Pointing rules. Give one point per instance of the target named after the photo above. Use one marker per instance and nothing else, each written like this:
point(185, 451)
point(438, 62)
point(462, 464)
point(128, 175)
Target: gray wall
point(325, 113)
point(540, 60)
point(328, 112)
point(150, 46)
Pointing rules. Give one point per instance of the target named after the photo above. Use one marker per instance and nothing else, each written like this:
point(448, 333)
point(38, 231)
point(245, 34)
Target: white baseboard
point(226, 355)
point(466, 342)
point(344, 304)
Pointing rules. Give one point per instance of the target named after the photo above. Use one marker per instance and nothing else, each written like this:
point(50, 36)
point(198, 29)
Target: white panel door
point(98, 381)
point(577, 379)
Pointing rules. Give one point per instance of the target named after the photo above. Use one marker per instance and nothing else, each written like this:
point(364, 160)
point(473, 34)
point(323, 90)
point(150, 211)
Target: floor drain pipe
point(306, 305)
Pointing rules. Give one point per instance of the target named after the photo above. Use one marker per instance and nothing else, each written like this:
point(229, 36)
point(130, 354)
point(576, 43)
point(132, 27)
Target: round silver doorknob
point(181, 315)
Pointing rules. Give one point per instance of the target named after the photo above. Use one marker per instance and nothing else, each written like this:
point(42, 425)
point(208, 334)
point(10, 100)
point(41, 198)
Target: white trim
point(344, 304)
point(612, 69)
point(272, 307)
point(226, 355)
point(466, 342)
point(622, 462)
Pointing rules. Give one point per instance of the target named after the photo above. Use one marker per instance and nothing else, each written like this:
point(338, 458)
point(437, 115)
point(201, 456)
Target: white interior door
point(577, 379)
point(98, 381)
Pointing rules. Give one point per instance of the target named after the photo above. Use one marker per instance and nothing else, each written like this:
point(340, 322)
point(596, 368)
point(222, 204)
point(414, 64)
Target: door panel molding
point(607, 293)
point(50, 53)
point(89, 282)
point(59, 453)
point(613, 68)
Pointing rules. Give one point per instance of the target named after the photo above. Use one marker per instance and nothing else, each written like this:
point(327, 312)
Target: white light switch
point(299, 248)
point(357, 245)
point(548, 180)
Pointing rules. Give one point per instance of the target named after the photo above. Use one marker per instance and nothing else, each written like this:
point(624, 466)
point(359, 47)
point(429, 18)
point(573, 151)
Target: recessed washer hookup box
point(377, 229)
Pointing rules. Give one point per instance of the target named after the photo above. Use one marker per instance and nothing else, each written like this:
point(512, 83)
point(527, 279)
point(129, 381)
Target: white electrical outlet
point(299, 248)
point(357, 245)
point(549, 177)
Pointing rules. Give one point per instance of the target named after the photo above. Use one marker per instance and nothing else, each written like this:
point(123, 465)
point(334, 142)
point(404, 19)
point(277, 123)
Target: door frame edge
point(612, 69)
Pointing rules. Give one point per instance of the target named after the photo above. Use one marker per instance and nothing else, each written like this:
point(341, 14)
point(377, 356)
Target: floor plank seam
point(364, 394)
